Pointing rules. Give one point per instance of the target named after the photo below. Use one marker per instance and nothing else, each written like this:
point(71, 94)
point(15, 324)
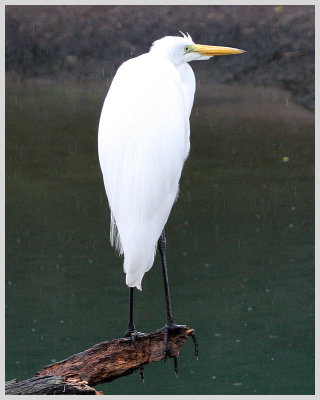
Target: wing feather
point(143, 135)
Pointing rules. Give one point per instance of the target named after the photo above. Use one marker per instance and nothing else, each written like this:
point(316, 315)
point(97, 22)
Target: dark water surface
point(240, 242)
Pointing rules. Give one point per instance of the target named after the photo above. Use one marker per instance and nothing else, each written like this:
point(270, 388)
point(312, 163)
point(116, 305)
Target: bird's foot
point(169, 329)
point(133, 333)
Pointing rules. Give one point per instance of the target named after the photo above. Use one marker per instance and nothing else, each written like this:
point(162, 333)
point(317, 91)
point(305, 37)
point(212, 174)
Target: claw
point(195, 342)
point(175, 360)
point(169, 328)
point(141, 374)
point(133, 334)
point(166, 339)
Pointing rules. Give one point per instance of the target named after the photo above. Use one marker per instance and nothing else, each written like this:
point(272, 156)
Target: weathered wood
point(48, 385)
point(103, 362)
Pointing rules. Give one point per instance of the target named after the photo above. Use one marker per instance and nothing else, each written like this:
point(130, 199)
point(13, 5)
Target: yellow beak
point(215, 50)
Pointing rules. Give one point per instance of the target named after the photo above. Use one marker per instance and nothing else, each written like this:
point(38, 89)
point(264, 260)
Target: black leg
point(170, 325)
point(162, 250)
point(131, 330)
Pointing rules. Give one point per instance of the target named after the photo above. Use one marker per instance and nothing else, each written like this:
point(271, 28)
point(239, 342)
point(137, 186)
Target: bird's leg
point(162, 250)
point(131, 330)
point(170, 325)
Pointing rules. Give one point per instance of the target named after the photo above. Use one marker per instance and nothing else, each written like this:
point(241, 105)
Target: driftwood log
point(101, 363)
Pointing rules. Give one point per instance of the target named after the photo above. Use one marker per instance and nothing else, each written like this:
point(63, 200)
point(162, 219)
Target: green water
point(240, 242)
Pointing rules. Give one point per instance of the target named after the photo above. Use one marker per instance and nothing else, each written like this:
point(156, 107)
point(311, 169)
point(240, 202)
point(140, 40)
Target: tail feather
point(138, 259)
point(138, 240)
point(114, 235)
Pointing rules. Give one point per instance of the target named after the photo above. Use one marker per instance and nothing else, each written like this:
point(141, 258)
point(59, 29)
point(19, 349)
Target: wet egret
point(143, 142)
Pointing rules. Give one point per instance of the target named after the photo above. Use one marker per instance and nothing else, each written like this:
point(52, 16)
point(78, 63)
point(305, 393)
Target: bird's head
point(183, 49)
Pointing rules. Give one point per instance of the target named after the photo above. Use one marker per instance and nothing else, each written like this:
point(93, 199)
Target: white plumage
point(143, 142)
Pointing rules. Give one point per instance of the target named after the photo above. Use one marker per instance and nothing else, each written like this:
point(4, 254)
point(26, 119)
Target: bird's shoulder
point(148, 68)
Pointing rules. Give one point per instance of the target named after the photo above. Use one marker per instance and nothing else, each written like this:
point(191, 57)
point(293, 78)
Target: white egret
point(143, 143)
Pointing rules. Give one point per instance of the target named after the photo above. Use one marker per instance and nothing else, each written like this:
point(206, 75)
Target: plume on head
point(186, 35)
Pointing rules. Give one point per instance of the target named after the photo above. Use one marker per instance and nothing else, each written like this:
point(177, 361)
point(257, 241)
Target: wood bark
point(101, 363)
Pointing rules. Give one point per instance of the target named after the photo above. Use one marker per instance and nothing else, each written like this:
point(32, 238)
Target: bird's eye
point(186, 48)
